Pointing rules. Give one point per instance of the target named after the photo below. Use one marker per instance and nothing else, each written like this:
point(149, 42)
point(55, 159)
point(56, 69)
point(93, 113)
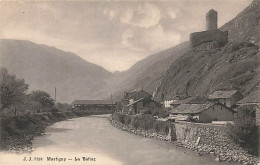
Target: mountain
point(45, 68)
point(196, 74)
point(146, 73)
point(246, 25)
point(235, 66)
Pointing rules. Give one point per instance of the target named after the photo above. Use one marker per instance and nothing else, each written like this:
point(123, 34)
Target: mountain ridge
point(45, 67)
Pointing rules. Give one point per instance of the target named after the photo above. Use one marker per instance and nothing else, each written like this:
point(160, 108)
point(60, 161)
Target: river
point(93, 137)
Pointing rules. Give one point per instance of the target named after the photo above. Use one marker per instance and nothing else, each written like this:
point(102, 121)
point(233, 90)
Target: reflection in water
point(94, 137)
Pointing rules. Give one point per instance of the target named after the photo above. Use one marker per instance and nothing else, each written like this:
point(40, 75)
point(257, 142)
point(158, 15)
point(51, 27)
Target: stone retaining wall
point(211, 139)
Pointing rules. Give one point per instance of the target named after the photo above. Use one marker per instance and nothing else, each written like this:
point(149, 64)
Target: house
point(253, 99)
point(93, 105)
point(205, 113)
point(228, 98)
point(135, 101)
point(136, 95)
point(167, 103)
point(136, 106)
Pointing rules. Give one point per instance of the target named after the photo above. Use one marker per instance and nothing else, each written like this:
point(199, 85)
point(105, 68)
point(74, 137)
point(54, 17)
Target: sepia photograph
point(129, 82)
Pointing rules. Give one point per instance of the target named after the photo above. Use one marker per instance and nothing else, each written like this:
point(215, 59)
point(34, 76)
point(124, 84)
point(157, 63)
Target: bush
point(127, 120)
point(244, 130)
point(143, 122)
point(118, 117)
point(146, 122)
point(161, 127)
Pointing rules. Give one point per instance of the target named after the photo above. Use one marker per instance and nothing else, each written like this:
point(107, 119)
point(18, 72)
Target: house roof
point(135, 93)
point(252, 98)
point(93, 102)
point(222, 94)
point(191, 108)
point(135, 102)
point(179, 117)
point(162, 119)
point(183, 101)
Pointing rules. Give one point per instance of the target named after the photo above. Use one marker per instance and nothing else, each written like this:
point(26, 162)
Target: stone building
point(228, 97)
point(138, 105)
point(212, 37)
point(135, 101)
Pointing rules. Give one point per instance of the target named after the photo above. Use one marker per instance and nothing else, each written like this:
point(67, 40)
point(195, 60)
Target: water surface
point(94, 137)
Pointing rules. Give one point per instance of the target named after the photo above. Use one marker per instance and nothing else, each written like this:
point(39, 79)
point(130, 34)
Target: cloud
point(149, 40)
point(110, 13)
point(171, 13)
point(127, 16)
point(157, 39)
point(143, 16)
point(126, 36)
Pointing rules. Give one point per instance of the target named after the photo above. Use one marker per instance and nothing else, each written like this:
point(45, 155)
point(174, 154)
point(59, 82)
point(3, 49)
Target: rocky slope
point(246, 25)
point(197, 73)
point(45, 68)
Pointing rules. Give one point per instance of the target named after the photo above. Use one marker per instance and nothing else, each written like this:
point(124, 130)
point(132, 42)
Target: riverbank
point(17, 132)
point(129, 129)
point(216, 149)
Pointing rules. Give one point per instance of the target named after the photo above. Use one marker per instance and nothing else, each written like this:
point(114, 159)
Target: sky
point(112, 34)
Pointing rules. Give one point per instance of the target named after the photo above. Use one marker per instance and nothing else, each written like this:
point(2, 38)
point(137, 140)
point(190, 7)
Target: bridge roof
point(91, 102)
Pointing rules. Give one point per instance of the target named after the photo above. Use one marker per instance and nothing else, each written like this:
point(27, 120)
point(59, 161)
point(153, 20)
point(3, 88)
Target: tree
point(63, 106)
point(45, 100)
point(12, 90)
point(244, 130)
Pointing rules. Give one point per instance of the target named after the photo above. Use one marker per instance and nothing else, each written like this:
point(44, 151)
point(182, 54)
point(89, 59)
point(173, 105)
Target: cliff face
point(235, 66)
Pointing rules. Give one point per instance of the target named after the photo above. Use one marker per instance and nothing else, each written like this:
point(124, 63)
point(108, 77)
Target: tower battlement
point(212, 20)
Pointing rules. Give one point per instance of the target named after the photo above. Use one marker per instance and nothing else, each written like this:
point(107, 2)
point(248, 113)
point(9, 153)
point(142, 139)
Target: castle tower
point(212, 20)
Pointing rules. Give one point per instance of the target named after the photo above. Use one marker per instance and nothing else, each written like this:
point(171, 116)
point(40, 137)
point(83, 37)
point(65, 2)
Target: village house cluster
point(220, 107)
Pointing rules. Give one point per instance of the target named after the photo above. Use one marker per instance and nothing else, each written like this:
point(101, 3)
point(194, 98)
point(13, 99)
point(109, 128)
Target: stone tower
point(212, 20)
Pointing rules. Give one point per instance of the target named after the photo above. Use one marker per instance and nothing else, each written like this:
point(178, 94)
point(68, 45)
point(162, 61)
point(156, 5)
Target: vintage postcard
point(129, 82)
